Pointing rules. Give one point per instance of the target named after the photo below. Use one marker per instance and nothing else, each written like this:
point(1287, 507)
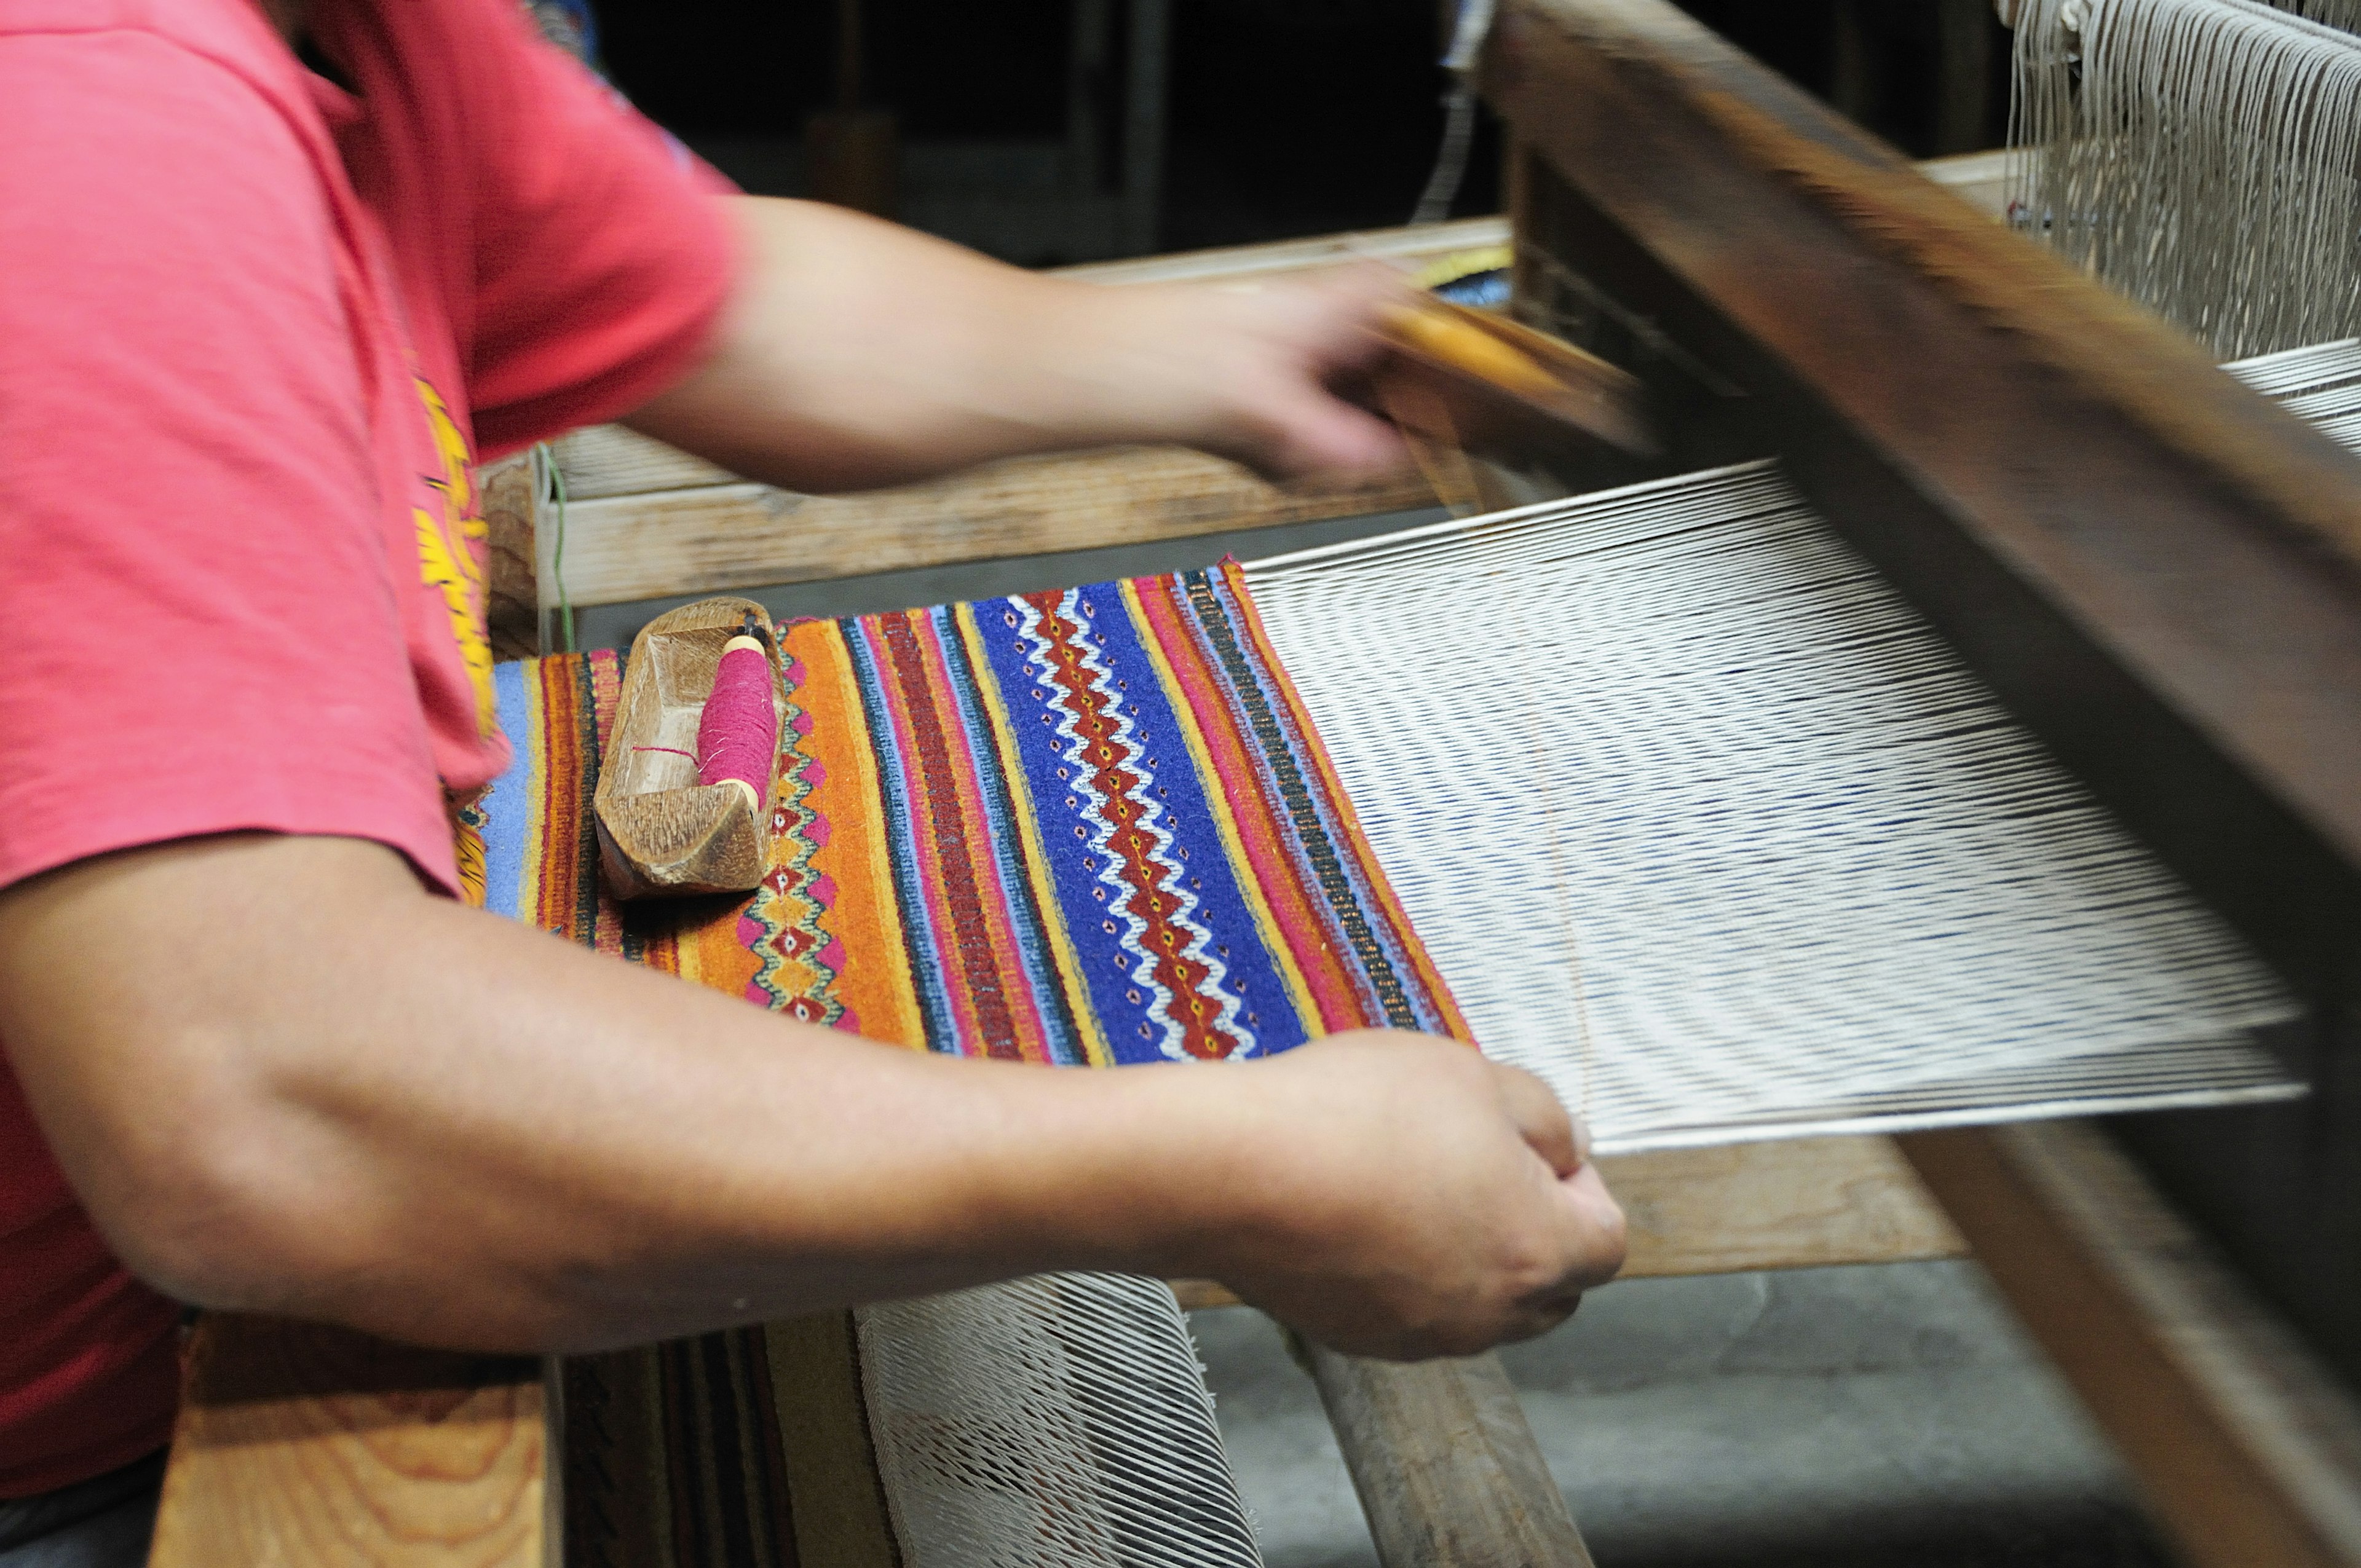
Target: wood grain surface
point(661, 833)
point(1788, 1203)
point(1402, 247)
point(1445, 1464)
point(2246, 1447)
point(509, 499)
point(603, 460)
point(737, 536)
point(300, 1445)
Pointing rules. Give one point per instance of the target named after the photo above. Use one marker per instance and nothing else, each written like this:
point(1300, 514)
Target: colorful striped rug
point(1087, 827)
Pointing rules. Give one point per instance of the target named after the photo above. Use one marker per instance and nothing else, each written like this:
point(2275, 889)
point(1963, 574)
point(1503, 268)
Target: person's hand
point(1250, 371)
point(1414, 1200)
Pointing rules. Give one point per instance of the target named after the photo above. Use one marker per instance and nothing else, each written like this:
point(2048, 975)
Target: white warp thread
point(2320, 384)
point(1702, 823)
point(2199, 156)
point(1059, 1421)
point(1838, 780)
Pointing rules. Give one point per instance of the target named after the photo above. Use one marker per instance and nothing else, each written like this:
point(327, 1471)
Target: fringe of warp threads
point(2200, 157)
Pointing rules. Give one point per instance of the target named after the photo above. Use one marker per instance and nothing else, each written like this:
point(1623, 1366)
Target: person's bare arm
point(855, 353)
point(318, 1090)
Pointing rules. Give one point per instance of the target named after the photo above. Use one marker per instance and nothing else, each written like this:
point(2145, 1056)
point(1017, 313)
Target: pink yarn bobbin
point(738, 734)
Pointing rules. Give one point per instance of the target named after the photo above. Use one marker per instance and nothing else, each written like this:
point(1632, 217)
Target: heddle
point(2200, 156)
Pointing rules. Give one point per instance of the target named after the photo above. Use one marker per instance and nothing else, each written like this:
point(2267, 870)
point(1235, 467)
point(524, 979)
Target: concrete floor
point(1844, 1418)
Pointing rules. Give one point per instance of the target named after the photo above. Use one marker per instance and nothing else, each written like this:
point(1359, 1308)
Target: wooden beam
point(2246, 1447)
point(1789, 1204)
point(2157, 570)
point(613, 460)
point(1445, 1464)
point(1405, 246)
point(718, 537)
point(509, 498)
point(298, 1445)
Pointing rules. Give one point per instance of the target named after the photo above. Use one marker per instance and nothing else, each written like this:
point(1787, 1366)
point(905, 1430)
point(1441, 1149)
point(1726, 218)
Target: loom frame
point(2245, 1442)
point(1756, 258)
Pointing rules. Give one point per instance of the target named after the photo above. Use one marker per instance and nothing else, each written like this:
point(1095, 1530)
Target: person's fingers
point(1317, 433)
point(1316, 334)
point(1598, 1231)
point(1540, 1120)
point(1588, 1244)
point(1334, 320)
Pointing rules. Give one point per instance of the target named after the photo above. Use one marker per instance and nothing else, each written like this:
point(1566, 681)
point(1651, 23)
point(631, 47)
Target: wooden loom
point(2197, 1279)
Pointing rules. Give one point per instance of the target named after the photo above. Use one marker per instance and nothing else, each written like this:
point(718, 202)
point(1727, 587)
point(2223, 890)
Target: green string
point(554, 485)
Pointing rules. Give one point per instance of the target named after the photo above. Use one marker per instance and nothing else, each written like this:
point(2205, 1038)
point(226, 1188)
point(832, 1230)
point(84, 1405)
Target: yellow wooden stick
point(1470, 348)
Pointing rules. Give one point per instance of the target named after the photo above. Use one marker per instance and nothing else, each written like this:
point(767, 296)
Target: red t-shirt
point(254, 330)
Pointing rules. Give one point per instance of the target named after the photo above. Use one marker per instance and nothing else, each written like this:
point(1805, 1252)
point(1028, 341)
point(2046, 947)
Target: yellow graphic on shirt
point(451, 549)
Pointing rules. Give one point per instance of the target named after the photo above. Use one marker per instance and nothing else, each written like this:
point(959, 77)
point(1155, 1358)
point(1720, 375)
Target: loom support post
point(2216, 1407)
point(1445, 1464)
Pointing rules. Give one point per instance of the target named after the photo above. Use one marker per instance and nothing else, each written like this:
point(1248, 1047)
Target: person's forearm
point(853, 354)
point(437, 1125)
point(320, 1092)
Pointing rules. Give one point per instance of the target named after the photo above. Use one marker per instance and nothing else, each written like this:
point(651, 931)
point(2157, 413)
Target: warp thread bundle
point(2200, 156)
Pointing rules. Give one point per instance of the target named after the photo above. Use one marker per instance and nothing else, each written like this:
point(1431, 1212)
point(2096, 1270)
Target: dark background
point(1287, 116)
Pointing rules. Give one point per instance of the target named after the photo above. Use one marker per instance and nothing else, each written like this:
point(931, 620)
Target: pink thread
point(737, 736)
point(674, 749)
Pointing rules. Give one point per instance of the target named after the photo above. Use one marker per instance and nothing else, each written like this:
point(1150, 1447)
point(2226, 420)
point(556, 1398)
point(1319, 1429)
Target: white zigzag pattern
point(1152, 822)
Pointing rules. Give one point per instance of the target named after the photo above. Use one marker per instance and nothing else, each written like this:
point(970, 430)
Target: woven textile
point(1088, 827)
point(1080, 827)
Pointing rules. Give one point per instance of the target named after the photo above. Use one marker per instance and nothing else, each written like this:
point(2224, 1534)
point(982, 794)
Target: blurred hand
point(1249, 370)
point(1419, 1200)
